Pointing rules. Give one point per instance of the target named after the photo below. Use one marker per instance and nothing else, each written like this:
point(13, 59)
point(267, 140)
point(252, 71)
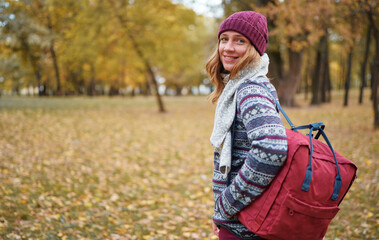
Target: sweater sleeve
point(267, 136)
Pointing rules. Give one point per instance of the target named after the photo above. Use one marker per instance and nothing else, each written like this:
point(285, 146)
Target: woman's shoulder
point(256, 87)
point(257, 82)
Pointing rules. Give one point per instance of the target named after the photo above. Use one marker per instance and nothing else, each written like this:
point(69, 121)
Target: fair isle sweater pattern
point(259, 151)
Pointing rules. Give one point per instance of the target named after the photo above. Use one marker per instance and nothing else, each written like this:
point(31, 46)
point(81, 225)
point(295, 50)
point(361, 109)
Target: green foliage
point(113, 168)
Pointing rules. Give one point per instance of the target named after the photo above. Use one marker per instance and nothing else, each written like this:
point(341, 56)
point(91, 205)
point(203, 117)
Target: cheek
point(242, 50)
point(219, 49)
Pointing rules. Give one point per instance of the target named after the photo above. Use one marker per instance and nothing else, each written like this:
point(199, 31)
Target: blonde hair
point(216, 70)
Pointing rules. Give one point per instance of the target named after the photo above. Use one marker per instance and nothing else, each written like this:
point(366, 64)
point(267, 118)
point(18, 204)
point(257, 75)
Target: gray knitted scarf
point(221, 137)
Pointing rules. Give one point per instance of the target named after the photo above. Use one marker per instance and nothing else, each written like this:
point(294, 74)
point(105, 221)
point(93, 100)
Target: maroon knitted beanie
point(250, 24)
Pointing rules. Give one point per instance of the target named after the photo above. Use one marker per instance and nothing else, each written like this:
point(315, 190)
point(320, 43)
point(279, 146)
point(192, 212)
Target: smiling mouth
point(230, 58)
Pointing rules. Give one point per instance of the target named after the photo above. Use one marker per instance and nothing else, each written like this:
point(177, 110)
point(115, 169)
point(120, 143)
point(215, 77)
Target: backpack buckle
point(317, 126)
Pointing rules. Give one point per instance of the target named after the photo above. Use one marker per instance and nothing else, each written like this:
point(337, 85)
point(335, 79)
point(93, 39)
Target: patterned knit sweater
point(259, 151)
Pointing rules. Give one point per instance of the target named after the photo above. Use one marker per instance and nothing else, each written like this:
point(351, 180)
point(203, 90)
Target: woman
point(248, 135)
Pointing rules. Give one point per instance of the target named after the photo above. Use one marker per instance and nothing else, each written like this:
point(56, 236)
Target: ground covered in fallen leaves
point(115, 168)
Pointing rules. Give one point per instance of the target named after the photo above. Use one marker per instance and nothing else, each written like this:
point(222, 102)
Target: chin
point(227, 68)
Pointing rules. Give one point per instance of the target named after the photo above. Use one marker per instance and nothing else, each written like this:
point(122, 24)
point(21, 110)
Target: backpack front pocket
point(299, 220)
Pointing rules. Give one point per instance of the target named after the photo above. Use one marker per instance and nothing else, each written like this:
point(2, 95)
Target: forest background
point(76, 164)
point(94, 47)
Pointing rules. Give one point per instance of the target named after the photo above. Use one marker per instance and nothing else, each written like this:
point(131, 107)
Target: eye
point(241, 41)
point(223, 39)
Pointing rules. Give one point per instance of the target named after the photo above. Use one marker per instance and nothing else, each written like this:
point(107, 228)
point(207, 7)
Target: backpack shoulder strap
point(280, 108)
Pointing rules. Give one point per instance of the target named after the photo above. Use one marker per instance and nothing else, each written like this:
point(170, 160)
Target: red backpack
point(304, 197)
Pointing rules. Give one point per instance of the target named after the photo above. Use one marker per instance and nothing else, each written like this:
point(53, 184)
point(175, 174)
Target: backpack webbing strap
point(281, 109)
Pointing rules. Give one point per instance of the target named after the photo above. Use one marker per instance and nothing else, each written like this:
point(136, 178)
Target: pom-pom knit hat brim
point(250, 24)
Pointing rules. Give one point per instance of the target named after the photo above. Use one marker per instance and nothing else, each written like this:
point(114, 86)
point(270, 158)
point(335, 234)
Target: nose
point(229, 46)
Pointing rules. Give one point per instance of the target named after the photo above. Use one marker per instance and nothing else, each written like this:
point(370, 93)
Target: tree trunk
point(323, 70)
point(289, 85)
point(348, 77)
point(41, 87)
point(307, 74)
point(326, 95)
point(133, 92)
point(145, 61)
point(306, 87)
point(155, 85)
point(342, 75)
point(74, 81)
point(325, 80)
point(321, 77)
point(364, 65)
point(178, 90)
point(113, 90)
point(375, 90)
point(316, 79)
point(275, 67)
point(153, 80)
point(375, 68)
point(142, 88)
point(37, 73)
point(91, 88)
point(55, 62)
point(54, 57)
point(147, 89)
point(15, 87)
point(92, 84)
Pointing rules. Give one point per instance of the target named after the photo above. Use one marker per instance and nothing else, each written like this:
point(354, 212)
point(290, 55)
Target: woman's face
point(232, 48)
